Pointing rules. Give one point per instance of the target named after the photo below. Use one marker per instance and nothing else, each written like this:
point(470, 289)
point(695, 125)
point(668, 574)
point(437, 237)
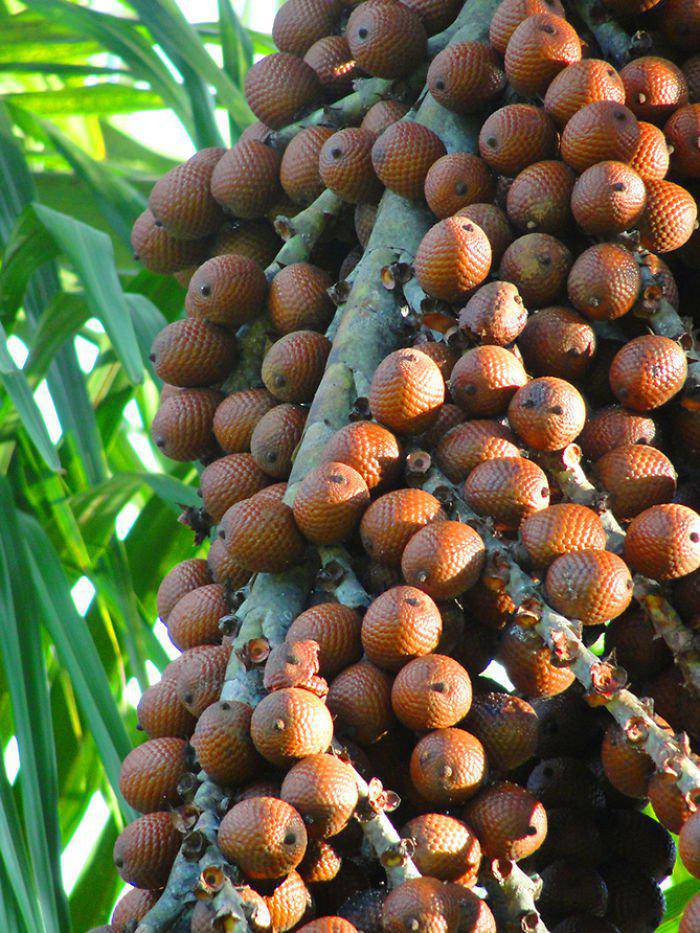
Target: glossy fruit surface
point(613, 427)
point(299, 23)
point(465, 76)
point(592, 586)
point(604, 282)
point(444, 559)
point(382, 115)
point(663, 542)
point(181, 199)
point(548, 413)
point(494, 223)
point(561, 529)
point(651, 158)
point(448, 766)
point(647, 372)
point(289, 724)
point(299, 172)
point(331, 59)
point(579, 84)
point(406, 391)
point(485, 379)
point(401, 624)
point(387, 39)
point(468, 444)
point(229, 480)
point(265, 836)
point(539, 48)
point(368, 448)
point(508, 490)
point(457, 180)
point(682, 130)
point(510, 13)
point(627, 767)
point(391, 521)
point(161, 252)
point(403, 155)
point(223, 744)
point(432, 692)
point(453, 257)
point(329, 503)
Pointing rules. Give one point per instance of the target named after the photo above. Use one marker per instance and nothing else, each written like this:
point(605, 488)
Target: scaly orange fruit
point(466, 76)
point(456, 181)
point(264, 836)
point(453, 257)
point(403, 155)
point(432, 692)
point(390, 522)
point(448, 766)
point(406, 391)
point(539, 48)
point(560, 529)
point(444, 559)
point(329, 503)
point(401, 624)
point(223, 744)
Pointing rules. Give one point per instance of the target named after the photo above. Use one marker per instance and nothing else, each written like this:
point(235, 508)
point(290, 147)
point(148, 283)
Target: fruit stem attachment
point(513, 893)
point(301, 232)
point(657, 311)
point(616, 44)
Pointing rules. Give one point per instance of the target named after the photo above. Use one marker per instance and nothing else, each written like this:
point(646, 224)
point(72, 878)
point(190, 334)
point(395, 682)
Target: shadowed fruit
point(529, 664)
point(445, 847)
point(561, 529)
point(538, 49)
point(568, 887)
point(448, 766)
point(299, 298)
point(289, 724)
point(345, 165)
point(690, 920)
point(150, 774)
point(635, 901)
point(422, 904)
point(382, 115)
point(626, 766)
point(299, 171)
point(637, 650)
point(387, 40)
point(601, 131)
point(670, 806)
point(223, 744)
point(508, 490)
point(227, 290)
point(299, 23)
point(456, 181)
point(639, 840)
point(183, 578)
point(571, 834)
point(516, 136)
point(229, 480)
point(331, 59)
point(391, 521)
point(654, 87)
point(264, 836)
point(591, 586)
point(194, 620)
point(466, 76)
point(663, 542)
point(579, 84)
point(324, 791)
point(609, 198)
point(246, 180)
point(329, 503)
point(468, 444)
point(616, 427)
point(161, 252)
point(682, 132)
point(511, 13)
point(548, 413)
point(261, 536)
point(289, 902)
point(279, 87)
point(635, 477)
point(368, 448)
point(181, 199)
point(557, 342)
point(237, 416)
point(199, 676)
point(669, 219)
point(402, 156)
point(647, 372)
point(538, 264)
point(495, 225)
point(539, 198)
point(444, 559)
point(275, 438)
point(509, 822)
point(507, 728)
point(435, 15)
point(604, 282)
point(494, 315)
point(321, 863)
point(441, 353)
point(255, 239)
point(161, 713)
point(432, 692)
point(145, 851)
point(453, 257)
point(651, 158)
point(336, 630)
point(132, 906)
point(401, 624)
point(293, 366)
point(192, 353)
point(406, 391)
point(360, 700)
point(485, 379)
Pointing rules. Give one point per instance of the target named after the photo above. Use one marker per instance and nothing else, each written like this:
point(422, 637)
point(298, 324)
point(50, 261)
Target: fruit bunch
point(463, 433)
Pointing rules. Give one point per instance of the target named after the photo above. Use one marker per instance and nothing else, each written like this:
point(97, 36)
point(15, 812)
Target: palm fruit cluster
point(533, 336)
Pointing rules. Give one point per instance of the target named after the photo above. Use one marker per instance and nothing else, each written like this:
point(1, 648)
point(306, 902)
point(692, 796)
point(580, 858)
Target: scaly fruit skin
point(224, 570)
point(548, 413)
point(616, 427)
point(539, 48)
point(448, 766)
point(328, 925)
point(456, 181)
point(444, 559)
point(690, 920)
point(494, 223)
point(689, 844)
point(323, 789)
point(446, 848)
point(591, 586)
point(421, 904)
point(331, 59)
point(255, 239)
point(635, 477)
point(229, 480)
point(453, 258)
point(299, 172)
point(299, 298)
point(246, 180)
point(609, 198)
point(663, 542)
point(289, 724)
point(485, 379)
point(294, 664)
point(223, 744)
point(605, 282)
point(161, 713)
point(293, 366)
point(579, 84)
point(237, 416)
point(321, 863)
point(161, 252)
point(511, 13)
point(261, 536)
point(390, 522)
point(569, 887)
point(509, 821)
point(289, 903)
point(145, 851)
point(360, 700)
point(382, 115)
point(529, 664)
point(279, 86)
point(193, 354)
point(264, 836)
point(508, 490)
point(670, 806)
point(652, 157)
point(507, 728)
point(336, 629)
point(275, 438)
point(194, 620)
point(299, 23)
point(538, 264)
point(199, 675)
point(345, 166)
point(364, 217)
point(626, 767)
point(495, 315)
point(557, 342)
point(561, 529)
point(150, 774)
point(406, 391)
point(599, 132)
point(539, 198)
point(329, 503)
point(227, 290)
point(647, 372)
point(468, 444)
point(466, 76)
point(181, 199)
point(403, 155)
point(654, 87)
point(387, 40)
point(516, 136)
point(401, 624)
point(432, 692)
point(669, 218)
point(637, 649)
point(368, 448)
point(133, 906)
point(183, 578)
point(635, 901)
point(682, 130)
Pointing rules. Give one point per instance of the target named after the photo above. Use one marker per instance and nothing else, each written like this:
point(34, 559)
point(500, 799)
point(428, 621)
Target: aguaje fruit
point(448, 766)
point(613, 427)
point(229, 480)
point(509, 822)
point(386, 39)
point(289, 724)
point(402, 156)
point(227, 290)
point(445, 847)
point(360, 700)
point(669, 218)
point(510, 13)
point(391, 521)
point(682, 130)
point(265, 836)
point(626, 767)
point(406, 391)
point(663, 542)
point(592, 586)
point(507, 728)
point(435, 15)
point(331, 59)
point(255, 239)
point(145, 851)
point(223, 744)
point(236, 417)
point(279, 87)
point(557, 342)
point(654, 87)
point(261, 536)
point(548, 413)
point(428, 904)
point(368, 448)
point(529, 664)
point(329, 503)
point(161, 713)
point(508, 490)
point(466, 76)
point(181, 199)
point(192, 354)
point(336, 629)
point(652, 157)
point(194, 620)
point(691, 915)
point(609, 198)
point(468, 444)
point(199, 676)
point(150, 773)
point(647, 372)
point(604, 282)
point(538, 264)
point(299, 171)
point(345, 165)
point(601, 131)
point(293, 366)
point(568, 886)
point(299, 299)
point(560, 529)
point(246, 179)
point(453, 257)
point(516, 136)
point(299, 23)
point(635, 477)
point(579, 84)
point(329, 925)
point(539, 198)
point(323, 789)
point(494, 223)
point(456, 181)
point(432, 692)
point(289, 903)
point(539, 48)
point(494, 315)
point(689, 845)
point(444, 559)
point(485, 379)
point(161, 252)
point(132, 906)
point(183, 578)
point(381, 115)
point(275, 438)
point(400, 625)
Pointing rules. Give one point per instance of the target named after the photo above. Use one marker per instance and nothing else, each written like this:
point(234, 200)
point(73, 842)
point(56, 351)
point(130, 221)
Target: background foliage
point(88, 507)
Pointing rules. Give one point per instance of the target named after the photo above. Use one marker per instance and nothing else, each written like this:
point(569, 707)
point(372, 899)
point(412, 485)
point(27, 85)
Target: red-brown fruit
point(289, 903)
point(456, 181)
point(626, 766)
point(680, 24)
point(516, 136)
point(382, 115)
point(324, 791)
point(495, 314)
point(440, 352)
point(192, 354)
point(599, 132)
point(227, 290)
point(557, 342)
point(299, 171)
point(647, 372)
point(198, 676)
point(194, 619)
point(509, 821)
point(663, 542)
point(682, 131)
point(511, 13)
point(432, 692)
point(538, 264)
point(246, 179)
point(368, 448)
point(651, 158)
point(609, 198)
point(132, 906)
point(279, 87)
point(401, 624)
point(690, 921)
point(426, 904)
point(293, 366)
point(183, 578)
point(161, 252)
point(539, 198)
point(162, 714)
point(579, 84)
point(331, 59)
point(507, 728)
point(289, 724)
point(453, 257)
point(150, 773)
point(466, 76)
point(635, 477)
point(508, 490)
point(391, 521)
point(548, 413)
point(654, 87)
point(145, 851)
point(591, 586)
point(445, 848)
point(360, 700)
point(670, 217)
point(299, 298)
point(229, 480)
point(223, 744)
point(529, 664)
point(299, 23)
point(345, 165)
point(294, 664)
point(561, 529)
point(435, 15)
point(448, 766)
point(336, 629)
point(637, 649)
point(329, 503)
point(255, 239)
point(538, 49)
point(604, 282)
point(224, 570)
point(181, 199)
point(261, 536)
point(406, 391)
point(494, 223)
point(365, 217)
point(236, 418)
point(387, 40)
point(444, 559)
point(468, 444)
point(689, 844)
point(485, 379)
point(402, 156)
point(328, 925)
point(691, 70)
point(264, 836)
point(616, 427)
point(670, 806)
point(275, 438)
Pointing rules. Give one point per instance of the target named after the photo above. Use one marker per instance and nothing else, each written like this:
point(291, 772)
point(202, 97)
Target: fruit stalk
point(514, 894)
point(681, 640)
point(662, 317)
point(616, 44)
